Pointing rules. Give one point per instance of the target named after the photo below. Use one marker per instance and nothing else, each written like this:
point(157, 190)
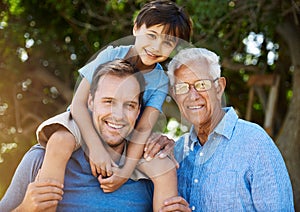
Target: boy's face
point(152, 45)
point(115, 108)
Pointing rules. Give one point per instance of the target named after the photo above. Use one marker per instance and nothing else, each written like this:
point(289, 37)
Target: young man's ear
point(90, 102)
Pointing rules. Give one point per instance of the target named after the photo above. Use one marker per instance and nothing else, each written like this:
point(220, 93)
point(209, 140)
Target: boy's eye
point(152, 36)
point(169, 44)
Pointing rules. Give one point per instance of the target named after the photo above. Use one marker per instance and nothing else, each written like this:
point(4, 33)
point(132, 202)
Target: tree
point(43, 43)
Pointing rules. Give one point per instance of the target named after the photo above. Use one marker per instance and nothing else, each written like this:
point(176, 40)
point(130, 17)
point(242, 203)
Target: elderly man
point(114, 102)
point(226, 163)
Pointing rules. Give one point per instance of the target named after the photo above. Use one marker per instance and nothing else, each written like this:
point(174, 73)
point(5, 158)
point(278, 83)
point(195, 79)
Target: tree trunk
point(288, 140)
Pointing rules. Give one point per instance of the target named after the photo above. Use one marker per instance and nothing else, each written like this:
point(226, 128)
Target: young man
point(114, 102)
point(226, 163)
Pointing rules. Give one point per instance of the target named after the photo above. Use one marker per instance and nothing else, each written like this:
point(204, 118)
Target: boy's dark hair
point(164, 12)
point(119, 68)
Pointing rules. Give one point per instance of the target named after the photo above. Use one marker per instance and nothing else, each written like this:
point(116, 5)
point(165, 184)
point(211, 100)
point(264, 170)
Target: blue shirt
point(82, 190)
point(156, 88)
point(239, 168)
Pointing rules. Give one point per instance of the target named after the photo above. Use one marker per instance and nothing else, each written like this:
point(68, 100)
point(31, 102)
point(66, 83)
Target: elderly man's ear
point(221, 87)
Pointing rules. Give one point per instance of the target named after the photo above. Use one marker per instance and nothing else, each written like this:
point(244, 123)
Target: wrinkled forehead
point(193, 69)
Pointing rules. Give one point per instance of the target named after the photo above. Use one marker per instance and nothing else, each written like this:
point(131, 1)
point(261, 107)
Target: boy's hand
point(113, 182)
point(101, 162)
point(158, 145)
point(175, 204)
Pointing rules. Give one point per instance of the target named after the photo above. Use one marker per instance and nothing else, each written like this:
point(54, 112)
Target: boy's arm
point(91, 138)
point(134, 151)
point(139, 138)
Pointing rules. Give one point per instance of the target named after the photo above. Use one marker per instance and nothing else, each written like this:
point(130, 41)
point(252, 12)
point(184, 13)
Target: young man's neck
point(116, 151)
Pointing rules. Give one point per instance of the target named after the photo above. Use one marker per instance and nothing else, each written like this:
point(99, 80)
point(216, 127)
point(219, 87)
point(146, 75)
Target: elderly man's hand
point(159, 146)
point(41, 195)
point(175, 204)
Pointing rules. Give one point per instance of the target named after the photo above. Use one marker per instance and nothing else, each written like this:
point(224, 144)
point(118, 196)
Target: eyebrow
point(153, 31)
point(133, 102)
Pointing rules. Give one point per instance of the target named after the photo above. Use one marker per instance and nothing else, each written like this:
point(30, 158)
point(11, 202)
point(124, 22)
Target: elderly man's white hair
point(188, 55)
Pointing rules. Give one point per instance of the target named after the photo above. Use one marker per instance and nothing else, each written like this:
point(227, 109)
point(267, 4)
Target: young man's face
point(152, 45)
point(198, 107)
point(115, 108)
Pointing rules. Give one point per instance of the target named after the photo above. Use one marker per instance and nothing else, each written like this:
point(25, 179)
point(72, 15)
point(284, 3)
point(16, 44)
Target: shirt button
point(201, 154)
point(196, 180)
point(193, 208)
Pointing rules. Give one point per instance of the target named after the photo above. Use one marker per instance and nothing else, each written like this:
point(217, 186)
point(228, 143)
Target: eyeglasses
point(200, 85)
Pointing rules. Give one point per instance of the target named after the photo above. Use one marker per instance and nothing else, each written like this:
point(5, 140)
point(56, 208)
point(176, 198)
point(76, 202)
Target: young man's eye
point(131, 106)
point(107, 101)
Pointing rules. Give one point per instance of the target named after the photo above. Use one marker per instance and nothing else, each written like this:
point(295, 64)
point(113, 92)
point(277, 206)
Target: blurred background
point(44, 43)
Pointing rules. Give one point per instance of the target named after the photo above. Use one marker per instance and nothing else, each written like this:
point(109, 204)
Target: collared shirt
point(239, 168)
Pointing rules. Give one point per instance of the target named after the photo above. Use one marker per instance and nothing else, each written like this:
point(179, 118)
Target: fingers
point(159, 145)
point(150, 141)
point(41, 195)
point(167, 147)
point(106, 184)
point(175, 204)
point(105, 169)
point(108, 170)
point(93, 169)
point(111, 183)
point(102, 170)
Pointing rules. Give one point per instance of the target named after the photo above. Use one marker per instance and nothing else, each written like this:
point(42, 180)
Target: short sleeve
point(108, 54)
point(156, 89)
point(24, 174)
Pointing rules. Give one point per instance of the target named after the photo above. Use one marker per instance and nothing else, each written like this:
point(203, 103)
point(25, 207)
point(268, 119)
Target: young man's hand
point(175, 204)
point(41, 195)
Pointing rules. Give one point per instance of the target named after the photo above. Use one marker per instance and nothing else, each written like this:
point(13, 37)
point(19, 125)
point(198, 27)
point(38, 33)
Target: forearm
point(139, 137)
point(82, 117)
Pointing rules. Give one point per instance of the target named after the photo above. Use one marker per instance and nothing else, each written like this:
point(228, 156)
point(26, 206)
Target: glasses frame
point(194, 85)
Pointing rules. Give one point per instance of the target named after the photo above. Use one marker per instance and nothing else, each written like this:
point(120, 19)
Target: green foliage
point(65, 34)
point(15, 7)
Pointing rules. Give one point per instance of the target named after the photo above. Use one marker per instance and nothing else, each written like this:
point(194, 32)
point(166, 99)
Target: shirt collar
point(224, 128)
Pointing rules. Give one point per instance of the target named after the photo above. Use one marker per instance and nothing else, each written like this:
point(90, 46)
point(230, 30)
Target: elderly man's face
point(198, 107)
point(115, 108)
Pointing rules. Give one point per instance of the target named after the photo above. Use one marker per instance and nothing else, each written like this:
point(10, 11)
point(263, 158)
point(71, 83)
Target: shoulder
point(253, 131)
point(157, 76)
point(117, 52)
point(33, 159)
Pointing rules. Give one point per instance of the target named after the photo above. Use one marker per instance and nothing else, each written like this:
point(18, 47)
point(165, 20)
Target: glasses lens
point(181, 88)
point(203, 85)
